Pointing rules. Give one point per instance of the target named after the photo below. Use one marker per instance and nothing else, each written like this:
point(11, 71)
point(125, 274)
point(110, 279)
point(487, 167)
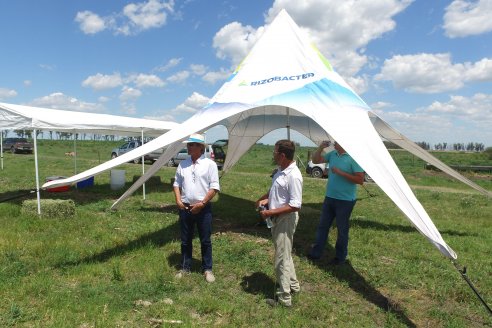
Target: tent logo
point(277, 79)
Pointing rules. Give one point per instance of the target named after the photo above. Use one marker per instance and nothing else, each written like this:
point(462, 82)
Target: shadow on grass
point(157, 238)
point(174, 261)
point(346, 273)
point(366, 223)
point(258, 283)
point(87, 195)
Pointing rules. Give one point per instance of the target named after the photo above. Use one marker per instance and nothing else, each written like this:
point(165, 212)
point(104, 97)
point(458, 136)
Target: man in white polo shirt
point(284, 200)
point(195, 184)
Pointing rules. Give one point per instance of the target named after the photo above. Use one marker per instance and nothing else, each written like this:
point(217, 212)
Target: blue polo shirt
point(337, 186)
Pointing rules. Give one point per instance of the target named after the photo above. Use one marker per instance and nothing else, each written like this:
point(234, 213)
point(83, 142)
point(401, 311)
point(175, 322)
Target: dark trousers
point(341, 211)
point(203, 222)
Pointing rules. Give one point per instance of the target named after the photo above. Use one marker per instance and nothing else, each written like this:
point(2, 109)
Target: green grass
point(92, 269)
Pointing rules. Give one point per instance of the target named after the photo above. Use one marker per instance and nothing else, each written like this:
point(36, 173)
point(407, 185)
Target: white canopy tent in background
point(286, 82)
point(19, 117)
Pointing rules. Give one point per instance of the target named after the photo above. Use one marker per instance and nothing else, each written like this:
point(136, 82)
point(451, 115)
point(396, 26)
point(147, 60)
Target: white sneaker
point(209, 276)
point(181, 274)
point(274, 303)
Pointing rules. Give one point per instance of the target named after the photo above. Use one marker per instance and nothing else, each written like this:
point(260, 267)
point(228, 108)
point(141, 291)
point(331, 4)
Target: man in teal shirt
point(341, 190)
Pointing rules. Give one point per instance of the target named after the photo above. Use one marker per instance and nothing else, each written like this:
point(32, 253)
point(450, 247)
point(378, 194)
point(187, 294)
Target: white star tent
point(286, 82)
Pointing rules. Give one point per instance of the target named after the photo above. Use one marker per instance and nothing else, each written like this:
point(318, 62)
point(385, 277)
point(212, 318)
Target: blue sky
point(424, 66)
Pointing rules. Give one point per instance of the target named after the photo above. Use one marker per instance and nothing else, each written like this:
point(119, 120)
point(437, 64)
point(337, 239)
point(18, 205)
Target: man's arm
point(279, 211)
point(177, 196)
point(356, 177)
point(317, 158)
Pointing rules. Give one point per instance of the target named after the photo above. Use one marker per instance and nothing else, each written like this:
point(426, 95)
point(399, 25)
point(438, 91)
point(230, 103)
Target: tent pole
point(465, 277)
point(143, 166)
point(75, 153)
point(1, 147)
point(37, 171)
point(288, 122)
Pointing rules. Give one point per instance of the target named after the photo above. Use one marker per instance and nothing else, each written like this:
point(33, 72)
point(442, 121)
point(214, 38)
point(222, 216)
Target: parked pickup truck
point(131, 145)
point(17, 145)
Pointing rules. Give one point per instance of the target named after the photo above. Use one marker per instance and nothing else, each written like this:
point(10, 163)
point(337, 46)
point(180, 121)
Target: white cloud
point(340, 29)
point(379, 105)
point(461, 119)
point(101, 82)
point(432, 73)
point(7, 93)
point(47, 67)
point(480, 71)
point(170, 64)
point(192, 104)
point(477, 108)
point(146, 80)
point(234, 41)
point(198, 69)
point(129, 94)
point(146, 15)
point(179, 77)
point(465, 18)
point(58, 100)
point(27, 83)
point(134, 18)
point(359, 84)
point(213, 77)
point(89, 22)
point(164, 117)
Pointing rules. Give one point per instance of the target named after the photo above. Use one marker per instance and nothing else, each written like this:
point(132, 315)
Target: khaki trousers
point(283, 236)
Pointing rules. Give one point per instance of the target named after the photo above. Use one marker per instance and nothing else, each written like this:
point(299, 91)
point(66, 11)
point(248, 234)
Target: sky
point(424, 66)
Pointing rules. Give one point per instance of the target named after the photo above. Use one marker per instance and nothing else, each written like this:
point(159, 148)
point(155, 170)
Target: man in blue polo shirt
point(343, 176)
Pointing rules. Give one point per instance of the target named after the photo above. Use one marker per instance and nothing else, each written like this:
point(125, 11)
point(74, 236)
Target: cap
point(195, 137)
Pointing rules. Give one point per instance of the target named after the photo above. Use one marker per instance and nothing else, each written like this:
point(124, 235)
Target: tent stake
point(464, 276)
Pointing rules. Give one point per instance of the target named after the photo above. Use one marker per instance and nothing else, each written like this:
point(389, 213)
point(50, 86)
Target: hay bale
point(50, 208)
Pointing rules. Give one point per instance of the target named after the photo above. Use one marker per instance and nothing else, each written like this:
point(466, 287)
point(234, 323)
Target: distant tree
point(19, 133)
point(488, 151)
point(423, 145)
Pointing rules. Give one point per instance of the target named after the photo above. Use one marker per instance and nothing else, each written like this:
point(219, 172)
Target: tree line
point(471, 146)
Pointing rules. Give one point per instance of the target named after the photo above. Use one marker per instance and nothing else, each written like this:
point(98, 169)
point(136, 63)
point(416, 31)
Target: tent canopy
point(286, 82)
point(19, 117)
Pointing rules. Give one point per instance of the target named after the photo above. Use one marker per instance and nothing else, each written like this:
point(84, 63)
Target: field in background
point(115, 269)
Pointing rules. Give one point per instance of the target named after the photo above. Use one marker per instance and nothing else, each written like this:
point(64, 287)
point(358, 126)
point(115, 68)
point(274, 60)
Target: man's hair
point(286, 147)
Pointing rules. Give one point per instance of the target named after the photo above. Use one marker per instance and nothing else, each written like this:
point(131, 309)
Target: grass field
point(105, 268)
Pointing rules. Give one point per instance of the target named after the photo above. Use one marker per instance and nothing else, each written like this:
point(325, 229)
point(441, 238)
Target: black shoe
point(312, 258)
point(336, 261)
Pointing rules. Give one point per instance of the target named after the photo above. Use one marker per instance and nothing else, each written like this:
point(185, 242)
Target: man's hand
point(196, 208)
point(180, 204)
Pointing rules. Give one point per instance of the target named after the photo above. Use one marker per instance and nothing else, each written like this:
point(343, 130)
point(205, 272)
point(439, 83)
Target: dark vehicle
point(17, 145)
point(131, 145)
point(219, 152)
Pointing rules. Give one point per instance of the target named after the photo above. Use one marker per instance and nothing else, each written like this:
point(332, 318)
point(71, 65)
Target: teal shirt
point(337, 186)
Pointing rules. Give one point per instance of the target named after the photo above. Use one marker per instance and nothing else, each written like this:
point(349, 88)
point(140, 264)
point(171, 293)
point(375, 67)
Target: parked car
point(214, 152)
point(131, 145)
point(321, 171)
point(317, 170)
point(17, 145)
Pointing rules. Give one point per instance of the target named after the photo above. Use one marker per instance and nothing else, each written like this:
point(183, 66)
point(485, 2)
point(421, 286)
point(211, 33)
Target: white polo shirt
point(195, 180)
point(286, 188)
